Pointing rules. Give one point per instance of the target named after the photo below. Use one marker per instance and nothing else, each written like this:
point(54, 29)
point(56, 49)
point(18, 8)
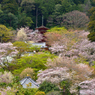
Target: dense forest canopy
point(19, 13)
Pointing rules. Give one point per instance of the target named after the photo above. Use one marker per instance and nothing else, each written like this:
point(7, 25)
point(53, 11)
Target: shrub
point(37, 61)
point(91, 36)
point(54, 93)
point(29, 91)
point(40, 93)
point(65, 85)
point(26, 71)
point(48, 86)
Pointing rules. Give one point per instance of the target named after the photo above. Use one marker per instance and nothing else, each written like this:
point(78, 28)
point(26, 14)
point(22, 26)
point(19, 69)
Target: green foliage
point(40, 93)
point(29, 91)
point(5, 34)
point(68, 5)
point(3, 84)
point(48, 86)
point(28, 5)
point(10, 6)
point(54, 93)
point(21, 47)
point(91, 36)
point(78, 1)
point(91, 26)
point(24, 20)
point(35, 48)
point(16, 79)
point(10, 93)
point(93, 2)
point(58, 30)
point(18, 70)
point(46, 6)
point(24, 11)
point(66, 87)
point(1, 70)
point(8, 19)
point(35, 61)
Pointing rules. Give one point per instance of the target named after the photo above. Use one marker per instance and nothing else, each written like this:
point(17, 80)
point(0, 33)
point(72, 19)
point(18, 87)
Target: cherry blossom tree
point(57, 48)
point(54, 75)
point(6, 77)
point(87, 87)
point(29, 35)
point(83, 48)
point(6, 50)
point(21, 35)
point(52, 37)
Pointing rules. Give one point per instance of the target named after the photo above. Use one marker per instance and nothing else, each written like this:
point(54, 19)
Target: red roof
point(42, 28)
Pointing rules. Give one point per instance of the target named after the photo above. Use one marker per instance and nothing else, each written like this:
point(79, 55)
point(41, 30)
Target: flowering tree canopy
point(26, 34)
point(6, 49)
point(6, 77)
point(87, 87)
point(54, 75)
point(21, 35)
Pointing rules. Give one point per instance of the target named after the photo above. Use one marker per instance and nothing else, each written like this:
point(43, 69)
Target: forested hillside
point(59, 59)
point(17, 13)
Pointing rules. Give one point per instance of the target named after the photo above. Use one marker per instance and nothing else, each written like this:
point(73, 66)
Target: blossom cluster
point(83, 48)
point(30, 35)
point(57, 48)
point(6, 77)
point(7, 49)
point(79, 71)
point(54, 75)
point(87, 87)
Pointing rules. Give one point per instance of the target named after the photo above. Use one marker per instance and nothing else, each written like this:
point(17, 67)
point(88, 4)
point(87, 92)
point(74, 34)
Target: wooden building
point(42, 29)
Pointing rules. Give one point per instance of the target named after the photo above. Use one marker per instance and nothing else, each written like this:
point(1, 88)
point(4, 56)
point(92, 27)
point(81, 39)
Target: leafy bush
point(29, 91)
point(58, 30)
point(21, 47)
point(91, 36)
point(66, 87)
point(37, 61)
point(26, 71)
point(48, 86)
point(40, 93)
point(54, 93)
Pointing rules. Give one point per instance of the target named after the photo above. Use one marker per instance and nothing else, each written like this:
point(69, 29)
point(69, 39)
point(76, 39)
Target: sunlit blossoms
point(87, 87)
point(27, 34)
point(57, 48)
point(54, 75)
point(6, 77)
point(6, 49)
point(83, 48)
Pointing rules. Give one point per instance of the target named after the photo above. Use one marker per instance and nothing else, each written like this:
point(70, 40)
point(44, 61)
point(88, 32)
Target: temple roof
point(23, 81)
point(42, 27)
